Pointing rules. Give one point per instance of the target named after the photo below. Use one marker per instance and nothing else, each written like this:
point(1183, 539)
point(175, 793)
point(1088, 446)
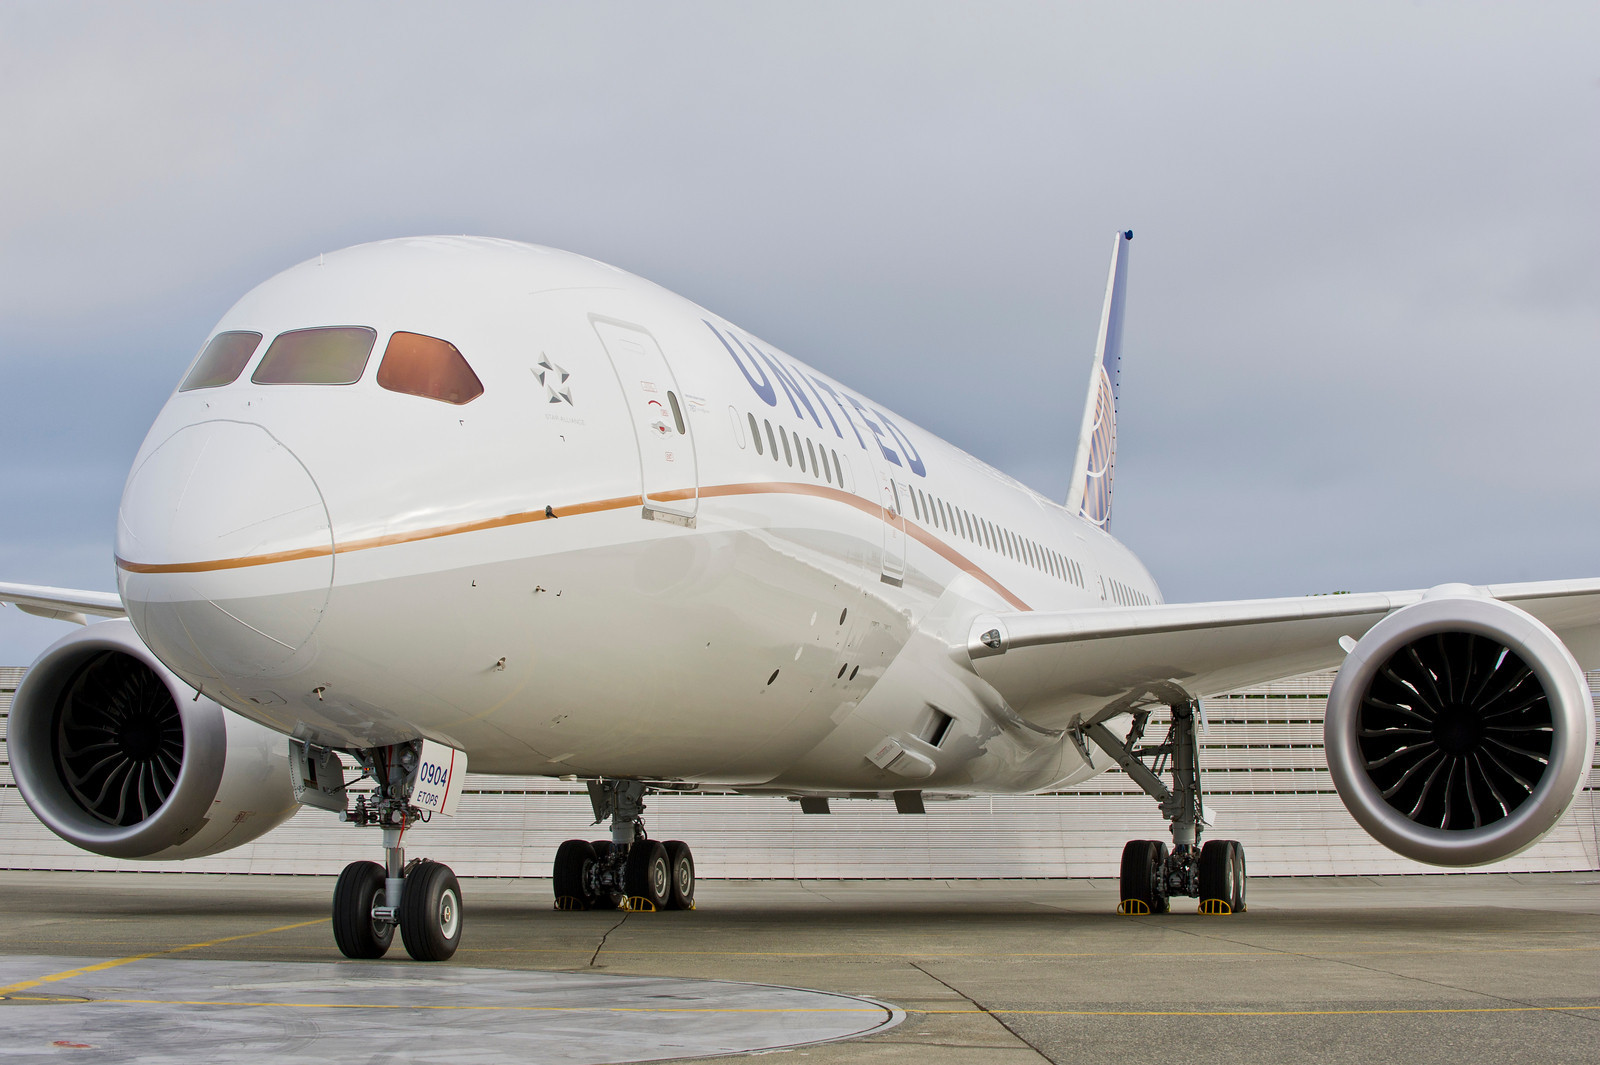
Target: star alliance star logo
point(554, 379)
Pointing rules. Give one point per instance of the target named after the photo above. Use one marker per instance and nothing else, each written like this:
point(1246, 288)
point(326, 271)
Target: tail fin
point(1090, 492)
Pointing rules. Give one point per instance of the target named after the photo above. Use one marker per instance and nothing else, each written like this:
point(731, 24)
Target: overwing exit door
point(660, 418)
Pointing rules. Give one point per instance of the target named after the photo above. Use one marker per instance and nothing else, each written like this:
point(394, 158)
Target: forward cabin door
point(660, 417)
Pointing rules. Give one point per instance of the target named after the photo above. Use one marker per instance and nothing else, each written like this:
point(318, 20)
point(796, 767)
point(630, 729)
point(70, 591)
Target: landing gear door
point(660, 417)
point(894, 530)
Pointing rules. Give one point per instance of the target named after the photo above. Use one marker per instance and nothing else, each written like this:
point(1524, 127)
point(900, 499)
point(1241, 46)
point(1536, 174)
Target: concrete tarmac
point(1466, 969)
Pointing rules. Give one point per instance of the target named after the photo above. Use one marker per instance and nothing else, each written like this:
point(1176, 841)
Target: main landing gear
point(629, 871)
point(421, 898)
point(1152, 875)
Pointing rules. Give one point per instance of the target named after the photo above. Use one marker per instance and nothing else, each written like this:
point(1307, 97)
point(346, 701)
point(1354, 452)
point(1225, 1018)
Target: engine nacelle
point(116, 755)
point(1459, 729)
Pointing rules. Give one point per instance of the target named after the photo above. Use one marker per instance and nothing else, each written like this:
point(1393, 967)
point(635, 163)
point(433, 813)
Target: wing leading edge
point(63, 604)
point(1061, 669)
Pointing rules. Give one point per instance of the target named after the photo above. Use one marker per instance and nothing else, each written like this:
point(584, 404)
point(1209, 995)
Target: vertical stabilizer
point(1090, 491)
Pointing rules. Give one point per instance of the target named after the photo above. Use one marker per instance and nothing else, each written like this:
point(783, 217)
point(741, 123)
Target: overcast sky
point(1364, 310)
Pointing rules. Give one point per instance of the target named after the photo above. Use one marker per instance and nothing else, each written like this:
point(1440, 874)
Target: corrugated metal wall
point(1264, 775)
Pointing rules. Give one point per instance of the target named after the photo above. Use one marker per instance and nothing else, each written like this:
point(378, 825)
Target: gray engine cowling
point(116, 755)
point(1459, 729)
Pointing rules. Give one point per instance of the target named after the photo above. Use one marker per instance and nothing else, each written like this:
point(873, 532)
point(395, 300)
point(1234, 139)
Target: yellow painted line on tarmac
point(1261, 953)
point(26, 985)
point(484, 1009)
point(1266, 1013)
point(839, 1009)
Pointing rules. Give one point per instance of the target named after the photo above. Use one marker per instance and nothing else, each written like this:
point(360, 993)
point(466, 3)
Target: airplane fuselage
point(653, 546)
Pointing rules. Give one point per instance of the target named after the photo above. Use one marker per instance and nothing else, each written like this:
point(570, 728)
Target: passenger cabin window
point(336, 355)
point(755, 433)
point(418, 365)
point(222, 362)
point(677, 412)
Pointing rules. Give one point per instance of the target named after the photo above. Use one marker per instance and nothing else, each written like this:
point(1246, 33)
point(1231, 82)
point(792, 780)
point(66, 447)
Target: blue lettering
point(913, 459)
point(877, 433)
point(819, 383)
point(791, 387)
point(764, 388)
point(831, 419)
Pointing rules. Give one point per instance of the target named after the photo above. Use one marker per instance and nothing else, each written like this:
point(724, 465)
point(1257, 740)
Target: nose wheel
point(428, 917)
point(358, 893)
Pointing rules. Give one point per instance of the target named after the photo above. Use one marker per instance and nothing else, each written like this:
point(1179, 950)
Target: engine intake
point(1459, 729)
point(116, 755)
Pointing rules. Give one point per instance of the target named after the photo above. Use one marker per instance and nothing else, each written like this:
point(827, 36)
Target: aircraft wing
point(65, 604)
point(1062, 668)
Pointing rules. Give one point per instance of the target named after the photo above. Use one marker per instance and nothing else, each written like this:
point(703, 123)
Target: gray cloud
point(1365, 287)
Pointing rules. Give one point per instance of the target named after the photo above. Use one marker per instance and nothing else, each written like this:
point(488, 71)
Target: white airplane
point(439, 501)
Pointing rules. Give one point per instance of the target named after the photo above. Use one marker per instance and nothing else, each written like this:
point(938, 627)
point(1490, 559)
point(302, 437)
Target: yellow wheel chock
point(567, 902)
point(1133, 908)
point(1215, 907)
point(638, 904)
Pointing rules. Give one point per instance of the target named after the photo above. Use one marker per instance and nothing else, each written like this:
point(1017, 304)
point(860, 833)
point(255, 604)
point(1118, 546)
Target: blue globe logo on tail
point(1102, 454)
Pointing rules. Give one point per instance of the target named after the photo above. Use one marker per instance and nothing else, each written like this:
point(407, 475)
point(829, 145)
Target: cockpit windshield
point(332, 355)
point(425, 366)
point(222, 362)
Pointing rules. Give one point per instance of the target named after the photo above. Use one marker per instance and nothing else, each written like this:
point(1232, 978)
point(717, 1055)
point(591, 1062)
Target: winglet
point(1090, 491)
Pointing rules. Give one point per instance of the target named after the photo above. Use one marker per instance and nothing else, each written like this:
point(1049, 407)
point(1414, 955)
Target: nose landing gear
point(421, 898)
point(1151, 875)
point(630, 870)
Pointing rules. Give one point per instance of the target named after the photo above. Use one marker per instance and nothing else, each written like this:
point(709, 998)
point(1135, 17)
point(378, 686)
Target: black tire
point(430, 912)
point(573, 859)
point(605, 900)
point(680, 863)
point(360, 887)
point(648, 875)
point(1143, 865)
point(1218, 874)
point(1240, 880)
point(1163, 899)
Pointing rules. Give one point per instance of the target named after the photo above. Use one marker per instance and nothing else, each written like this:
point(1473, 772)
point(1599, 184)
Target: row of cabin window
point(1126, 596)
point(818, 467)
point(413, 364)
point(931, 510)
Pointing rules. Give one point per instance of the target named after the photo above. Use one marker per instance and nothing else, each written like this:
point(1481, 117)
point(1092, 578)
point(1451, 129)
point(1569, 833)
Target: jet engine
point(117, 755)
point(1459, 729)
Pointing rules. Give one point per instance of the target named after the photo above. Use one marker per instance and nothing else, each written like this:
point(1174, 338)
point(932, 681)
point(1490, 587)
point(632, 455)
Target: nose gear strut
point(420, 897)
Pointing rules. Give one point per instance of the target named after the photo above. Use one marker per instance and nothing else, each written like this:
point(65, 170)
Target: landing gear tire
point(680, 864)
point(430, 912)
point(573, 859)
point(1144, 889)
point(1221, 877)
point(648, 874)
point(605, 900)
point(359, 889)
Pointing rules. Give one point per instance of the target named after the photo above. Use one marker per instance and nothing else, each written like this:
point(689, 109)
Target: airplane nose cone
point(224, 552)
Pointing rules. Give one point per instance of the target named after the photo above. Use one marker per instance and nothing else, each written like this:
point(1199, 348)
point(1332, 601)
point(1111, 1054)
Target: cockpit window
point(335, 355)
point(222, 362)
point(428, 367)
